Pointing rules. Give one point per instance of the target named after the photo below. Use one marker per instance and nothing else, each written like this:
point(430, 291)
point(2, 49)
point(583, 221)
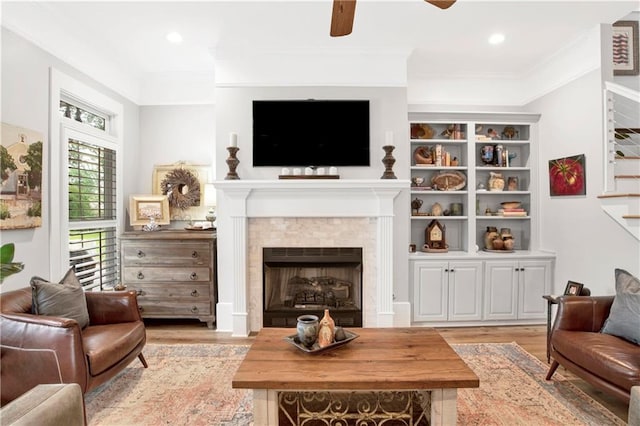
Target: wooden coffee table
point(389, 362)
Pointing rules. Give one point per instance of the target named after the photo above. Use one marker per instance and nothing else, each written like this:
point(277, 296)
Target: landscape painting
point(21, 178)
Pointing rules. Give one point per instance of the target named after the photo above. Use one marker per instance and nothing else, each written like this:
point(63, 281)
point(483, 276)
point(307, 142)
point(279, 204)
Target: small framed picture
point(144, 207)
point(573, 289)
point(625, 48)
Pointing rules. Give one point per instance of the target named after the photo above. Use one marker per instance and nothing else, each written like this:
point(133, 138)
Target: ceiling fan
point(344, 11)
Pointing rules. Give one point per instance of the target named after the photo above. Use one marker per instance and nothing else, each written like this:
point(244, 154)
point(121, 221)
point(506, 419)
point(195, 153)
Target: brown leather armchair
point(89, 357)
point(609, 363)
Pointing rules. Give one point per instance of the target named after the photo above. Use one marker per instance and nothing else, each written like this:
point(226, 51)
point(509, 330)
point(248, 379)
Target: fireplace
point(308, 280)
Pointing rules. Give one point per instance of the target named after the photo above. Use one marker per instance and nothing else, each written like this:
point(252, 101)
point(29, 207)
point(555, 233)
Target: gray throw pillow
point(65, 300)
point(624, 318)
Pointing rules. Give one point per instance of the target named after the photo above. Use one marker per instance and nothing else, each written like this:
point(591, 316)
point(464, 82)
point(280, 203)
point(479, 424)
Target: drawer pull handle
point(139, 293)
point(195, 254)
point(140, 308)
point(194, 309)
point(193, 276)
point(141, 253)
point(194, 293)
point(140, 276)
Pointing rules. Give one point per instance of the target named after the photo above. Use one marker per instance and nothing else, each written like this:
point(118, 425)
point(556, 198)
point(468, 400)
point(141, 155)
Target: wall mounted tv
point(310, 133)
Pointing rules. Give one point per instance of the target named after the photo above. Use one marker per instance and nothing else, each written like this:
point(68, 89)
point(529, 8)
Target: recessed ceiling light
point(496, 38)
point(174, 37)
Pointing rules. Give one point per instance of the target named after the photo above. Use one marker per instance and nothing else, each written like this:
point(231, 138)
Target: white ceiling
point(127, 39)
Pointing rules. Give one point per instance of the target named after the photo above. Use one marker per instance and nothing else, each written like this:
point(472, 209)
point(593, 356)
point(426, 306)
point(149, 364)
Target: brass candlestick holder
point(232, 162)
point(388, 162)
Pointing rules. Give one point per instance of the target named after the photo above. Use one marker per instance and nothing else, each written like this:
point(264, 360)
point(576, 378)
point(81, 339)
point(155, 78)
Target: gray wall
point(589, 244)
point(25, 103)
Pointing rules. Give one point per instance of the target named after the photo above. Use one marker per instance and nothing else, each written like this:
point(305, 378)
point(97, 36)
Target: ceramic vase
point(496, 181)
point(490, 235)
point(307, 329)
point(327, 330)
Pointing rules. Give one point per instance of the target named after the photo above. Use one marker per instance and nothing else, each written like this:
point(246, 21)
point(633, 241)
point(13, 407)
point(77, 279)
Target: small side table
point(551, 300)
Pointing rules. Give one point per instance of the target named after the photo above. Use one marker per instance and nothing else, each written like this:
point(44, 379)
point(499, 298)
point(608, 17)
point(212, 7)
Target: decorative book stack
point(512, 212)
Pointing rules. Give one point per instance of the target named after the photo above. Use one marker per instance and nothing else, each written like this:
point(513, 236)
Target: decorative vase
point(490, 235)
point(307, 328)
point(327, 330)
point(436, 210)
point(509, 243)
point(496, 181)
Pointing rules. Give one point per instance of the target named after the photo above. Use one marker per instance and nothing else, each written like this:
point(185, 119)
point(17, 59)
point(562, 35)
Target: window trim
point(62, 87)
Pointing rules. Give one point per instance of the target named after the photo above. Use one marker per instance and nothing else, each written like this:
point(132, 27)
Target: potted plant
point(7, 265)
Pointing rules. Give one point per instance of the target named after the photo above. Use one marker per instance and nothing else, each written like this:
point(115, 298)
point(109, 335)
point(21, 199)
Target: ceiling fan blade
point(442, 4)
point(342, 17)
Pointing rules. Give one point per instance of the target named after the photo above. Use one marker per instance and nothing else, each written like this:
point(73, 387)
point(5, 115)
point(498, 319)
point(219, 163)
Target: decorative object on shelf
point(415, 206)
point(182, 189)
point(436, 209)
point(573, 289)
point(152, 225)
point(435, 238)
point(625, 48)
point(509, 242)
point(510, 132)
point(417, 181)
point(498, 157)
point(486, 154)
point(449, 180)
point(497, 243)
point(307, 328)
point(512, 183)
point(148, 209)
point(422, 131)
point(490, 234)
point(412, 248)
point(232, 162)
point(422, 155)
point(454, 162)
point(496, 181)
point(316, 349)
point(183, 184)
point(21, 178)
point(388, 162)
point(567, 176)
point(456, 209)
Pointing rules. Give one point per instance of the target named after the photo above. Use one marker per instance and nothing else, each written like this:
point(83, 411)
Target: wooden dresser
point(173, 272)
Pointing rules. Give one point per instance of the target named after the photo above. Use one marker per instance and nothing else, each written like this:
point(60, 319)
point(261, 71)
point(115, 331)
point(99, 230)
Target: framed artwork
point(567, 176)
point(573, 289)
point(20, 178)
point(143, 207)
point(183, 184)
point(625, 48)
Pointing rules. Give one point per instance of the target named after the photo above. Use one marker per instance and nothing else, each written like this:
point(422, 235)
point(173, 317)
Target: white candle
point(308, 171)
point(333, 170)
point(320, 170)
point(297, 171)
point(233, 139)
point(285, 171)
point(388, 137)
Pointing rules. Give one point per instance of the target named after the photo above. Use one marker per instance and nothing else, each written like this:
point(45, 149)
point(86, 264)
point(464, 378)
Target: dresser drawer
point(162, 253)
point(172, 308)
point(161, 274)
point(186, 292)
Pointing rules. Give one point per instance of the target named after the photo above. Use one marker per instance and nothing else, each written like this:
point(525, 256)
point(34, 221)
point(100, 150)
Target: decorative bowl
point(511, 204)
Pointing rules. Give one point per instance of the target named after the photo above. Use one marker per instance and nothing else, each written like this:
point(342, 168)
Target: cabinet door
point(534, 282)
point(465, 291)
point(430, 291)
point(500, 290)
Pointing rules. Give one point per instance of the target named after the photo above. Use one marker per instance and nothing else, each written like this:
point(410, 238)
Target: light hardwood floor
point(530, 338)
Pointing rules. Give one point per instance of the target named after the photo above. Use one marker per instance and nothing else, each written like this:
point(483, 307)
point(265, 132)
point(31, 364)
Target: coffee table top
point(379, 359)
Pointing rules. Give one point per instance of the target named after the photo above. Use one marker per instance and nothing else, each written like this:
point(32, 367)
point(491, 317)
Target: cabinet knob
point(194, 309)
point(194, 293)
point(446, 270)
point(140, 308)
point(452, 270)
point(193, 276)
point(141, 253)
point(140, 276)
point(195, 254)
point(139, 293)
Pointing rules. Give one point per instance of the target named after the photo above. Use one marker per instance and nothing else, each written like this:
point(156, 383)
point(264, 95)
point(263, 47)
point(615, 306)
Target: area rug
point(190, 384)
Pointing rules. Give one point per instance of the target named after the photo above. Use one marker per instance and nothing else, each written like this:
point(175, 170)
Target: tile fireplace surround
point(253, 214)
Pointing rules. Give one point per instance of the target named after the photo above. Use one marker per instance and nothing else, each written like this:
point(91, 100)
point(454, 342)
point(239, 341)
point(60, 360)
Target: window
point(89, 186)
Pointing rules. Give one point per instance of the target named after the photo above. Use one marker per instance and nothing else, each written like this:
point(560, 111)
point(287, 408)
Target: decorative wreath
point(182, 189)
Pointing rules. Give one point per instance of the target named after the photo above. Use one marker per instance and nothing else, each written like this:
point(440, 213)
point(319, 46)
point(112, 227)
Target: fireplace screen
point(301, 281)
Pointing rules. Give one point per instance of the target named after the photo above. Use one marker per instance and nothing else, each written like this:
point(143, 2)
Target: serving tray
point(315, 349)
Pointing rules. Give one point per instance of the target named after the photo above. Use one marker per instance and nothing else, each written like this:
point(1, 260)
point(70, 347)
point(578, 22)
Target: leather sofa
point(46, 405)
point(607, 362)
point(89, 357)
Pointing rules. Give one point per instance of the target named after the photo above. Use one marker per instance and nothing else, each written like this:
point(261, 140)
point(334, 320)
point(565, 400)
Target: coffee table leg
point(443, 407)
point(265, 407)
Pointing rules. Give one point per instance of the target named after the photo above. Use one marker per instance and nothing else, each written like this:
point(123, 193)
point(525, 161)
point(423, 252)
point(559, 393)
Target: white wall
point(589, 245)
point(388, 111)
point(25, 103)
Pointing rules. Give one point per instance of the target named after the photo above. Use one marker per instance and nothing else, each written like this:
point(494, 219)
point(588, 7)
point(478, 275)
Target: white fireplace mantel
point(239, 200)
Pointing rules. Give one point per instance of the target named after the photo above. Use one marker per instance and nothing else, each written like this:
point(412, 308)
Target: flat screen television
point(310, 133)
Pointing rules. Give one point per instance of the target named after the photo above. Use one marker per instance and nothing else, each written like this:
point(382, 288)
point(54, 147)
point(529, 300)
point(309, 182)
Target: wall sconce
point(210, 202)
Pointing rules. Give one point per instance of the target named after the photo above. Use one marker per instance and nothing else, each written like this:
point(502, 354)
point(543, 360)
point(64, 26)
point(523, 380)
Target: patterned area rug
point(191, 385)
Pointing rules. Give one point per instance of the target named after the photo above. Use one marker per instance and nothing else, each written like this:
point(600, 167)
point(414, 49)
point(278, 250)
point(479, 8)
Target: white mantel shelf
point(303, 198)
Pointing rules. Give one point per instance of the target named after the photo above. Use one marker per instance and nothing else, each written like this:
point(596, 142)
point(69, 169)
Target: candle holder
point(232, 162)
point(388, 162)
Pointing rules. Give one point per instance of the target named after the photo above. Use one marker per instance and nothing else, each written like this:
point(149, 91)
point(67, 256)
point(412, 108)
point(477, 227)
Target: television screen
point(311, 133)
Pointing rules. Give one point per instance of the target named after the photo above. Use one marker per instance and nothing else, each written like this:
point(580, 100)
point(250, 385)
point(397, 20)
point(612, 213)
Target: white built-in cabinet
point(468, 285)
